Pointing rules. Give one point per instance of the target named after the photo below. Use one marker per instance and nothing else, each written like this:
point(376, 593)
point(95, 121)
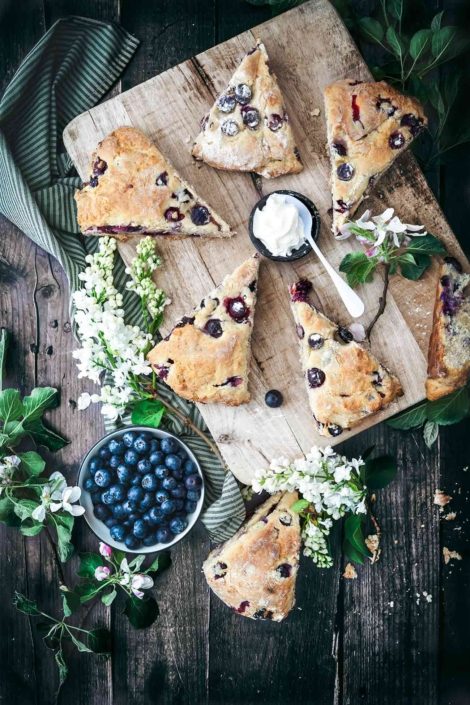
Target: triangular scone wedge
point(449, 349)
point(345, 382)
point(206, 357)
point(133, 189)
point(369, 125)
point(255, 571)
point(247, 128)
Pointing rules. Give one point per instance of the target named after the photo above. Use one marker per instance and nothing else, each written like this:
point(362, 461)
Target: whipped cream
point(279, 226)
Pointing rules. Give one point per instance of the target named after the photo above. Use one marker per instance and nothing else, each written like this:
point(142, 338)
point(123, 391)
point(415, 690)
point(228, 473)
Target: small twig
point(382, 301)
point(56, 556)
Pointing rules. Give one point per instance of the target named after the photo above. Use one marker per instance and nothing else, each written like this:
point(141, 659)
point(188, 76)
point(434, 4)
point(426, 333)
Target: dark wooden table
point(348, 642)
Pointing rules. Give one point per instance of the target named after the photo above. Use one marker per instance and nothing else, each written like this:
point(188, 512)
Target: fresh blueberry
point(161, 496)
point(168, 506)
point(156, 516)
point(128, 523)
point(173, 462)
point(128, 439)
point(116, 447)
point(190, 507)
point(144, 466)
point(177, 525)
point(149, 482)
point(135, 494)
point(147, 502)
point(146, 517)
point(89, 484)
point(177, 474)
point(103, 478)
point(199, 214)
point(114, 461)
point(136, 480)
point(179, 492)
point(101, 512)
point(193, 495)
point(149, 540)
point(140, 529)
point(189, 467)
point(119, 512)
point(163, 535)
point(132, 542)
point(169, 483)
point(161, 472)
point(130, 505)
point(124, 474)
point(179, 505)
point(118, 492)
point(273, 398)
point(94, 464)
point(141, 445)
point(133, 516)
point(168, 445)
point(193, 482)
point(118, 532)
point(104, 453)
point(107, 498)
point(111, 521)
point(181, 453)
point(131, 457)
point(157, 457)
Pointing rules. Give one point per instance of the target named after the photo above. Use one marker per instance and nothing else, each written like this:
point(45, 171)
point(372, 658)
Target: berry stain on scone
point(133, 189)
point(247, 128)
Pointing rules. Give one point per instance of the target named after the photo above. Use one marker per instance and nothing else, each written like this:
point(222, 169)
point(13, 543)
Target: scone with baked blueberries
point(345, 382)
point(134, 190)
point(247, 128)
point(255, 571)
point(449, 345)
point(369, 125)
point(206, 357)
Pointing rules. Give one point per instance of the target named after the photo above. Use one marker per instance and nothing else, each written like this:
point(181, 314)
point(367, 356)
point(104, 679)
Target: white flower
point(57, 495)
point(382, 228)
point(102, 572)
point(8, 466)
point(105, 550)
point(140, 582)
point(84, 401)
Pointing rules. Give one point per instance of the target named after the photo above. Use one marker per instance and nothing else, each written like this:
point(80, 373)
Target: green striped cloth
point(66, 73)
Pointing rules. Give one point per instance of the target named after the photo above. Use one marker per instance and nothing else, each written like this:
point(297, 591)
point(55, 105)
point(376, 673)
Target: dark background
point(348, 642)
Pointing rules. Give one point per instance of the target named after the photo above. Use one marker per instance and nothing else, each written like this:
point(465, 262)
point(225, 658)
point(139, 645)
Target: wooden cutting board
point(309, 47)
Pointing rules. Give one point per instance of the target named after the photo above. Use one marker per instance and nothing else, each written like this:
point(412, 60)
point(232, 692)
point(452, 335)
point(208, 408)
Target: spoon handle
point(350, 299)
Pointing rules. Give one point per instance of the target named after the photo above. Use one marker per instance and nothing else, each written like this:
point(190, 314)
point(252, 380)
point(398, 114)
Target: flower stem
point(382, 301)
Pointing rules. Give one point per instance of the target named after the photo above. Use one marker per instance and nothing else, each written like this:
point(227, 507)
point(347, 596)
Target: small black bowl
point(296, 254)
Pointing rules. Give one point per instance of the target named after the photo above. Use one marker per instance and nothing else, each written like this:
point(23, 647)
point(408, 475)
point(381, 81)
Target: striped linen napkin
point(66, 73)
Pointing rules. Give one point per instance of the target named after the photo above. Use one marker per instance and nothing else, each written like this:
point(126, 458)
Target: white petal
point(39, 514)
point(396, 226)
point(76, 510)
point(74, 494)
point(55, 506)
point(138, 593)
point(381, 238)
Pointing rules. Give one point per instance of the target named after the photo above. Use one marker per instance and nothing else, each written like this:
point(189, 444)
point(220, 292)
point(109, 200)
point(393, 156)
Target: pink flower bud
point(105, 550)
point(102, 572)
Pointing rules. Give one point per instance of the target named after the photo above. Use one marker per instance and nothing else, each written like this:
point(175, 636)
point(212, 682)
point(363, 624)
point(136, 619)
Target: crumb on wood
point(450, 516)
point(441, 498)
point(450, 555)
point(315, 112)
point(350, 572)
point(373, 544)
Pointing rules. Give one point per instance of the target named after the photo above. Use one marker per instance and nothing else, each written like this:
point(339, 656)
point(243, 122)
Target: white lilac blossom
point(8, 466)
point(56, 496)
point(108, 344)
point(380, 230)
point(141, 270)
point(329, 482)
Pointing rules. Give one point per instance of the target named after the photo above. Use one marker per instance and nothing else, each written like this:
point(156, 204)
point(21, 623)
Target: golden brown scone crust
point(449, 346)
point(267, 152)
point(208, 369)
point(363, 121)
point(255, 571)
point(355, 384)
point(123, 193)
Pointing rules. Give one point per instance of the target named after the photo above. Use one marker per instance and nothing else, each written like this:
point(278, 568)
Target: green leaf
point(88, 590)
point(11, 408)
point(141, 613)
point(7, 512)
point(428, 244)
point(412, 418)
point(80, 645)
point(44, 436)
point(354, 544)
point(352, 553)
point(62, 666)
point(29, 527)
point(63, 525)
point(4, 340)
point(4, 438)
point(25, 605)
point(379, 472)
point(89, 562)
point(148, 413)
point(136, 562)
point(371, 29)
point(430, 432)
point(447, 43)
point(395, 7)
point(32, 462)
point(38, 401)
point(436, 21)
point(300, 505)
point(415, 267)
point(14, 431)
point(109, 598)
point(70, 601)
point(25, 507)
point(419, 44)
point(394, 41)
point(358, 268)
point(99, 640)
point(450, 409)
point(160, 563)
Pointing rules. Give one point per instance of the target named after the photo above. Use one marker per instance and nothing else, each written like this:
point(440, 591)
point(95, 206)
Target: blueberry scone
point(133, 189)
point(206, 357)
point(255, 571)
point(345, 382)
point(449, 345)
point(247, 128)
point(369, 125)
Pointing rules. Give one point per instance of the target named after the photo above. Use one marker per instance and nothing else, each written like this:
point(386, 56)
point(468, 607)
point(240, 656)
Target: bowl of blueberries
point(142, 489)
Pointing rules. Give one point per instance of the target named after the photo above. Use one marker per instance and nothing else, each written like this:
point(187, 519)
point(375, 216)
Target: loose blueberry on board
point(273, 398)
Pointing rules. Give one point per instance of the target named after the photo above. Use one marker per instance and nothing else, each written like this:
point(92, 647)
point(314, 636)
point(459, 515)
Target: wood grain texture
point(168, 107)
